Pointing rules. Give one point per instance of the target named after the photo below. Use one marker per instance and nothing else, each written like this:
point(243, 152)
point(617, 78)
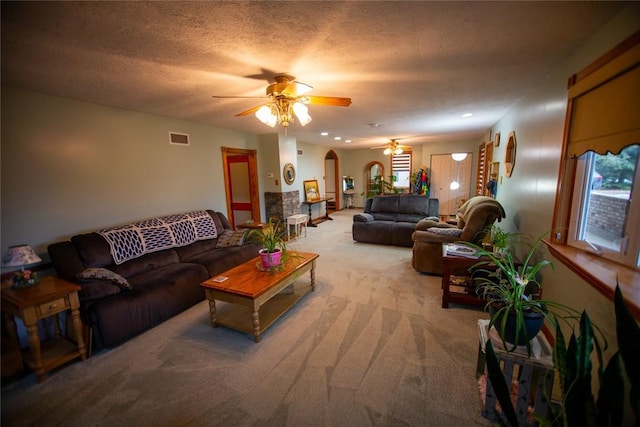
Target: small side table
point(48, 298)
point(298, 221)
point(452, 292)
point(457, 268)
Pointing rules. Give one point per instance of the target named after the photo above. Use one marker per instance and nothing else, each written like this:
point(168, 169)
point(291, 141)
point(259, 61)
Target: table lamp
point(21, 256)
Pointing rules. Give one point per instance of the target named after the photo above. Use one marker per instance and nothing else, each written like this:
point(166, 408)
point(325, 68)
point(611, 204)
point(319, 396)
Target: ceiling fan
point(286, 98)
point(392, 147)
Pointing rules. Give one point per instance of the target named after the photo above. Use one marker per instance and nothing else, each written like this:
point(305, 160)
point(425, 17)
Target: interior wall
point(71, 167)
point(529, 195)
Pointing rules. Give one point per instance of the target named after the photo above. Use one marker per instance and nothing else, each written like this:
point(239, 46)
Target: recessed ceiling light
point(347, 141)
point(467, 115)
point(324, 133)
point(337, 138)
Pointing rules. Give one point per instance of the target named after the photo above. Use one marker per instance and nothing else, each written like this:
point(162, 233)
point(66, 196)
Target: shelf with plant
point(512, 292)
point(580, 404)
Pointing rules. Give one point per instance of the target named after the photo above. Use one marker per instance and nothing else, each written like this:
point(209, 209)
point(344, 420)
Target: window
point(596, 223)
point(602, 215)
point(401, 170)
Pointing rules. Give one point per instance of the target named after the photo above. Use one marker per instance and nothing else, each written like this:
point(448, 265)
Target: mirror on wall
point(510, 154)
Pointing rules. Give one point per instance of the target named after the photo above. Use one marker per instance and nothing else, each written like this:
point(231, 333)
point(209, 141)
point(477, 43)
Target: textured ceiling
point(412, 68)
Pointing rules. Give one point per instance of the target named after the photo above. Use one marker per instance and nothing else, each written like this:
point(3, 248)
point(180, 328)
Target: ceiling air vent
point(179, 138)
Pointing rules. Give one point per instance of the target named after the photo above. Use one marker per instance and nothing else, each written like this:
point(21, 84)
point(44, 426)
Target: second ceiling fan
point(392, 147)
point(286, 98)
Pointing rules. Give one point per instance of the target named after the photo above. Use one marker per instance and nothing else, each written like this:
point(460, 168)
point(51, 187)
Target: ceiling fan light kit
point(287, 100)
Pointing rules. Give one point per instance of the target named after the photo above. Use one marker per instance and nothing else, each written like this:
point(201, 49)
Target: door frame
point(337, 179)
point(254, 195)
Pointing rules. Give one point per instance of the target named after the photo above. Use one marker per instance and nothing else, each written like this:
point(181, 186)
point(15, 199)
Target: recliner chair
point(475, 218)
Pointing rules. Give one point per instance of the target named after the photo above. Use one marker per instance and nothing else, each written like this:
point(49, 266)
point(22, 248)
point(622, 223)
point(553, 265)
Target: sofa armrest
point(419, 236)
point(363, 217)
point(430, 222)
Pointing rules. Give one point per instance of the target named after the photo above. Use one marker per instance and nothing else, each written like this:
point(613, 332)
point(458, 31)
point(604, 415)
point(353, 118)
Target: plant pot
point(533, 322)
point(270, 259)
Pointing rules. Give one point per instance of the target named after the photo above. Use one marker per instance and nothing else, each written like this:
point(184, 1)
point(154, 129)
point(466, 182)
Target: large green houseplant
point(513, 294)
point(579, 407)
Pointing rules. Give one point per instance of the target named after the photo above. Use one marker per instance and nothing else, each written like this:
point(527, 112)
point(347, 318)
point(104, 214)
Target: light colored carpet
point(370, 347)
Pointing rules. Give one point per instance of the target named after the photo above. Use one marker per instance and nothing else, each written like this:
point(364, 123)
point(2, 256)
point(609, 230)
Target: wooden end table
point(48, 298)
point(457, 268)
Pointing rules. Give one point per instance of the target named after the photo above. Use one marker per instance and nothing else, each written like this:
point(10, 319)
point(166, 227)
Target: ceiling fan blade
point(240, 97)
point(296, 89)
point(327, 100)
point(249, 111)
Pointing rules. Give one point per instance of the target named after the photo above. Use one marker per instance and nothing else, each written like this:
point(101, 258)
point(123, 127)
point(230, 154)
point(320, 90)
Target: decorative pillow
point(103, 275)
point(454, 232)
point(96, 289)
point(231, 238)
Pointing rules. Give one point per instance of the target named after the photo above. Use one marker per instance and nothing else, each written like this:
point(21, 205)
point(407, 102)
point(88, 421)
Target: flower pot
point(270, 259)
point(533, 322)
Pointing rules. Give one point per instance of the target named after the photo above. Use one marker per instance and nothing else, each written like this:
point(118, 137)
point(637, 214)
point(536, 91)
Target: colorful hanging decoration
point(422, 184)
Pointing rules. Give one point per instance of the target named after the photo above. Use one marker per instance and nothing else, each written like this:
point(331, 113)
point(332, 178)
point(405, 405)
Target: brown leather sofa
point(475, 218)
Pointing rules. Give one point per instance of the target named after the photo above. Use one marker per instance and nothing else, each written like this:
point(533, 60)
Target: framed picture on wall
point(311, 190)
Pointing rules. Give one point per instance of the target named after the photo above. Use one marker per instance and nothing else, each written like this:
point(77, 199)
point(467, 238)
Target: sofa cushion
point(103, 275)
point(146, 263)
point(231, 238)
point(93, 249)
point(156, 296)
point(384, 204)
point(412, 204)
point(189, 251)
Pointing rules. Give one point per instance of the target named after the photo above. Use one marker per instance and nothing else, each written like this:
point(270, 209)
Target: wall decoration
point(497, 141)
point(289, 173)
point(510, 154)
point(311, 190)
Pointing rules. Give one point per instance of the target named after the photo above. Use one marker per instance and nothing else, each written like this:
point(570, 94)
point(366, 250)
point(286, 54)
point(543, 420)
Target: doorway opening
point(241, 185)
point(332, 182)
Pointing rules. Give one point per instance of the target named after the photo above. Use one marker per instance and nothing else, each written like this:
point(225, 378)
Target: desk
point(48, 298)
point(326, 212)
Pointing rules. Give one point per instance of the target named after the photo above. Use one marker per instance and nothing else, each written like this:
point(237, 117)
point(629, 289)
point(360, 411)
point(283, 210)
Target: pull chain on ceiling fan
point(287, 100)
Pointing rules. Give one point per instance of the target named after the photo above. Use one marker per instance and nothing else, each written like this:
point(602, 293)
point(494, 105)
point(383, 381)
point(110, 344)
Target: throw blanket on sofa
point(151, 235)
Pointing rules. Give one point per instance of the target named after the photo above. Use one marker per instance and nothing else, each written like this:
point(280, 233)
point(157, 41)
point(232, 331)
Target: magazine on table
point(459, 249)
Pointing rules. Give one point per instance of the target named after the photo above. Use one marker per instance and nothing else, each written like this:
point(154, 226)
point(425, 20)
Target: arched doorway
point(332, 181)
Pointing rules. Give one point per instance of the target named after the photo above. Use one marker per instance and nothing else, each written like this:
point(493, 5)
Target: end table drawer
point(52, 307)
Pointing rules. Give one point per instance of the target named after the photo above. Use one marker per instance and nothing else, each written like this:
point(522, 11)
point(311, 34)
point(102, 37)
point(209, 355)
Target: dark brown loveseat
point(391, 220)
point(121, 300)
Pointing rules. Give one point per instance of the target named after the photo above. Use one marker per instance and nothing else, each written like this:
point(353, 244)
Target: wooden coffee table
point(258, 298)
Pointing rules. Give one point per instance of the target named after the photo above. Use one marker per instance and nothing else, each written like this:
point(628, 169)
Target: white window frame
point(630, 246)
point(407, 169)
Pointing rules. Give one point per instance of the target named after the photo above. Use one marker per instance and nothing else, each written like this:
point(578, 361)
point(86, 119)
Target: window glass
point(401, 169)
point(604, 219)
